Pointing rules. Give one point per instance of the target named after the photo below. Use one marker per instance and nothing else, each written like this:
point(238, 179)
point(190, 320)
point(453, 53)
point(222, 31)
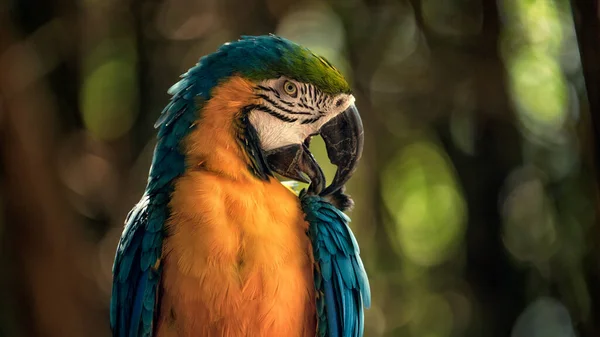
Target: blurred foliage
point(476, 197)
point(427, 209)
point(108, 97)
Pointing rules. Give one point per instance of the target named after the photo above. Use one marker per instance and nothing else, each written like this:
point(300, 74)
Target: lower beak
point(344, 138)
point(296, 162)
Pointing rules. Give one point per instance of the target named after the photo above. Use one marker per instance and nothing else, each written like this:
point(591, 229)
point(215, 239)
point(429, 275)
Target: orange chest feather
point(237, 261)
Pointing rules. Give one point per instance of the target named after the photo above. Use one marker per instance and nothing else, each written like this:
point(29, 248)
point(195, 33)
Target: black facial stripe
point(311, 99)
point(275, 92)
point(306, 106)
point(311, 120)
point(275, 113)
point(322, 97)
point(284, 109)
point(290, 104)
point(320, 102)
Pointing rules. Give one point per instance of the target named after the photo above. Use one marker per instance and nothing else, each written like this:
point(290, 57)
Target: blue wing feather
point(340, 278)
point(135, 276)
point(331, 315)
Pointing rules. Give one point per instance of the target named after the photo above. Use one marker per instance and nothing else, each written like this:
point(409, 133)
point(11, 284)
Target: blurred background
point(476, 199)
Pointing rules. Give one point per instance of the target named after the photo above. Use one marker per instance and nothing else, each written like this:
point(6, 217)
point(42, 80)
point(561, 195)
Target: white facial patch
point(289, 111)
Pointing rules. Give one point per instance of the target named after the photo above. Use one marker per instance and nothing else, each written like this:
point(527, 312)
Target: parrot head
point(307, 97)
point(298, 95)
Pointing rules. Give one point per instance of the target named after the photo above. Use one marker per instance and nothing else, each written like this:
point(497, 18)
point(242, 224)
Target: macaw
point(217, 245)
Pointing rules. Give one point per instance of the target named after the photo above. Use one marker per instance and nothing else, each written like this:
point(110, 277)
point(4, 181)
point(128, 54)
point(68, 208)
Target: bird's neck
point(214, 144)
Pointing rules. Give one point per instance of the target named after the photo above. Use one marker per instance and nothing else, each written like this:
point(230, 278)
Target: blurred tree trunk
point(40, 233)
point(587, 26)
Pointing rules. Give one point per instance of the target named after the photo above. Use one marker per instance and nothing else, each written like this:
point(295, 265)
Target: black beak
point(296, 162)
point(344, 139)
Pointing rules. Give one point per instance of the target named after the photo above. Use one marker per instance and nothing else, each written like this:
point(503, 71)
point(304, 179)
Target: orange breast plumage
point(237, 262)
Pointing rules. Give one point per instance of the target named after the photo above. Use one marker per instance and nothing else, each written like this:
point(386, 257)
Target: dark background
point(477, 208)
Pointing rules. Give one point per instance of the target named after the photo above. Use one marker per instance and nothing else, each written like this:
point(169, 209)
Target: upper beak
point(344, 138)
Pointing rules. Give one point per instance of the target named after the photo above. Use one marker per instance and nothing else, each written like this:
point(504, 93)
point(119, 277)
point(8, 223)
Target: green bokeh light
point(109, 91)
point(539, 89)
point(420, 191)
point(543, 25)
point(538, 24)
point(531, 46)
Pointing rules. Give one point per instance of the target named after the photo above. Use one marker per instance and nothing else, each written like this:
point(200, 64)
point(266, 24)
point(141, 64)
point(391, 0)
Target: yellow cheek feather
point(237, 261)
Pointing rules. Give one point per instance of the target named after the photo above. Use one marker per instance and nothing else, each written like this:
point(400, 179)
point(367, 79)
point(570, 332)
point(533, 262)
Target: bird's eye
point(290, 88)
